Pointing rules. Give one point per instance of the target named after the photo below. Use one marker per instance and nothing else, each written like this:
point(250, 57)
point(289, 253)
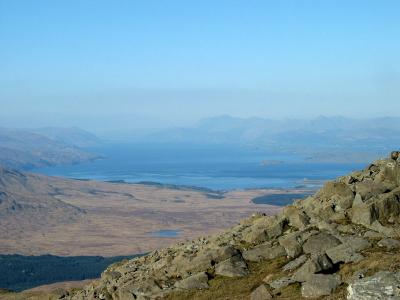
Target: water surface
point(213, 167)
point(278, 199)
point(165, 233)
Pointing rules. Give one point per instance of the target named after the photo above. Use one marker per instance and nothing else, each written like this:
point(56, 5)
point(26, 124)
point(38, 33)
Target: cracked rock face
point(317, 236)
point(382, 285)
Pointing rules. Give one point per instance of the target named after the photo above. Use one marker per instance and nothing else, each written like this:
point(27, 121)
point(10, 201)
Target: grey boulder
point(263, 252)
point(260, 293)
point(320, 242)
point(197, 281)
point(390, 244)
point(320, 285)
point(232, 267)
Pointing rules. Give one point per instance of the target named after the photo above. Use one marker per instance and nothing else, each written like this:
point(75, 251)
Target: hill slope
point(340, 243)
point(27, 205)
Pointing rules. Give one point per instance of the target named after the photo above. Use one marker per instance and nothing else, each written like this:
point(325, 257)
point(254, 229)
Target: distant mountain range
point(321, 137)
point(336, 139)
point(24, 149)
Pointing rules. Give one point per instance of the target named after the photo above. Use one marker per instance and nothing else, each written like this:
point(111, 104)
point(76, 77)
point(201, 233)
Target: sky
point(113, 65)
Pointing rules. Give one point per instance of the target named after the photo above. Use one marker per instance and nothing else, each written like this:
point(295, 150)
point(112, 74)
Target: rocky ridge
point(340, 243)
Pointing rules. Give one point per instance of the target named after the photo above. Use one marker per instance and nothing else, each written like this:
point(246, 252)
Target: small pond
point(165, 233)
point(278, 199)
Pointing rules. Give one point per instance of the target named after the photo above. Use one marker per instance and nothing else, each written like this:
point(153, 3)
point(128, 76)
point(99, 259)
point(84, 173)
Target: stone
point(347, 252)
point(255, 235)
point(319, 243)
point(356, 243)
point(325, 212)
point(382, 285)
point(368, 189)
point(363, 214)
point(260, 293)
point(343, 253)
point(257, 253)
point(320, 285)
point(326, 227)
point(296, 217)
point(292, 244)
point(322, 262)
point(105, 296)
point(334, 197)
point(346, 229)
point(305, 235)
point(395, 155)
point(388, 206)
point(112, 275)
point(275, 228)
point(317, 263)
point(389, 244)
point(356, 275)
point(349, 179)
point(147, 286)
point(308, 205)
point(263, 252)
point(203, 259)
point(386, 231)
point(339, 217)
point(341, 204)
point(268, 278)
point(357, 200)
point(294, 264)
point(333, 188)
point(126, 294)
point(305, 271)
point(232, 267)
point(263, 229)
point(281, 282)
point(197, 281)
point(391, 172)
point(373, 235)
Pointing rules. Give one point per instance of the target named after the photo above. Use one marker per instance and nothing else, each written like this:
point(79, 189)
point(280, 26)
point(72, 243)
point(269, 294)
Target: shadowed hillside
point(27, 202)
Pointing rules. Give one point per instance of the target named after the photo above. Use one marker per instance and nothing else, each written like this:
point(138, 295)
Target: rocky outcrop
point(321, 243)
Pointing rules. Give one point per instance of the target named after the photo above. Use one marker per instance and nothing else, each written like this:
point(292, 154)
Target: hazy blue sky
point(128, 64)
